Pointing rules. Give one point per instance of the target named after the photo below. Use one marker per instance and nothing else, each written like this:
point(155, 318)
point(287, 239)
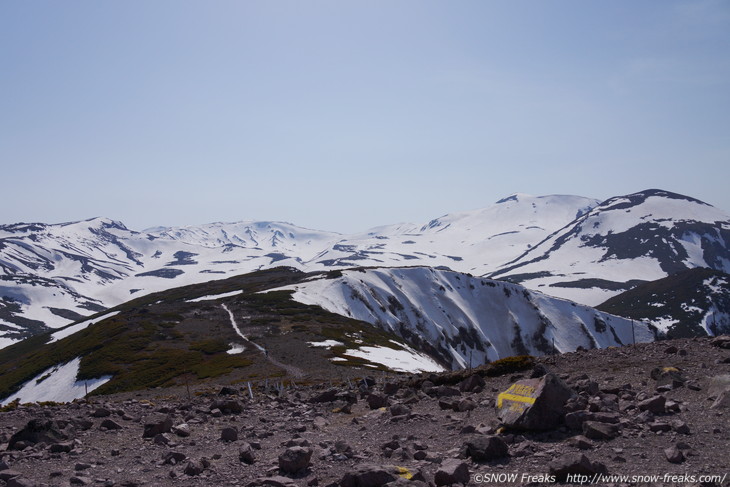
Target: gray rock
point(367, 476)
point(472, 383)
point(574, 463)
point(580, 442)
point(63, 447)
point(377, 401)
point(534, 404)
point(101, 413)
point(466, 405)
point(400, 410)
point(452, 471)
point(485, 448)
point(600, 431)
point(173, 458)
point(157, 425)
point(246, 454)
point(227, 406)
point(654, 404)
point(673, 455)
point(229, 434)
point(110, 424)
point(295, 459)
point(40, 430)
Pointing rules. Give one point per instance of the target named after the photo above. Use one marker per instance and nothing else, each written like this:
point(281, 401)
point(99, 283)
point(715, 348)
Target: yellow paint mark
point(513, 397)
point(404, 472)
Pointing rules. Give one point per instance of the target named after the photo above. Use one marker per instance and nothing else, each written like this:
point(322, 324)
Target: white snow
point(437, 304)
point(326, 343)
point(235, 349)
point(405, 360)
point(57, 384)
point(55, 336)
point(214, 296)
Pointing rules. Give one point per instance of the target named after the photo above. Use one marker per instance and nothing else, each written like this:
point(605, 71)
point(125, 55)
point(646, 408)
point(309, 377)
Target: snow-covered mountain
point(567, 246)
point(690, 303)
point(623, 242)
point(51, 275)
point(463, 319)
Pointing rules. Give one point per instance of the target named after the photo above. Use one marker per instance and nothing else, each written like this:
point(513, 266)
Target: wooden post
point(250, 392)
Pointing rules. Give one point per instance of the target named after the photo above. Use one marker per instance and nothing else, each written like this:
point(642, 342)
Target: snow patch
point(405, 360)
point(58, 384)
point(214, 296)
point(79, 326)
point(326, 343)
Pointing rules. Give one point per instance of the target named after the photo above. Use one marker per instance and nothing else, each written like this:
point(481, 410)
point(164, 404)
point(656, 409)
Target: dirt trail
point(292, 370)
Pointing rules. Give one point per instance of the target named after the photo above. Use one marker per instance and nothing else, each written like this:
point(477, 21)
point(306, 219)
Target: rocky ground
point(647, 410)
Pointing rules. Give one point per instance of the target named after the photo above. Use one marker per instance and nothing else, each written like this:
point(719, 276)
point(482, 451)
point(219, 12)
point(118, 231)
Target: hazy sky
point(343, 115)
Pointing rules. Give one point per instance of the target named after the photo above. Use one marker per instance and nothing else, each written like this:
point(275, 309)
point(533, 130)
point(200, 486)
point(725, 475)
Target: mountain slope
point(464, 319)
point(622, 242)
point(51, 275)
point(694, 302)
point(223, 330)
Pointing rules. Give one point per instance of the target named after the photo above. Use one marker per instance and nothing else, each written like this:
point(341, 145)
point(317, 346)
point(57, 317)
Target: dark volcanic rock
point(534, 404)
point(38, 430)
point(157, 425)
point(574, 463)
point(452, 471)
point(485, 448)
point(367, 476)
point(295, 459)
point(600, 431)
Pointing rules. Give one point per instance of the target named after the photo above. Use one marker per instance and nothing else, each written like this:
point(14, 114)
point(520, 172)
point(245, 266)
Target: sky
point(344, 115)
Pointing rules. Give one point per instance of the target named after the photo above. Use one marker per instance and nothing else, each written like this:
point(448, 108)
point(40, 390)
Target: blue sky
point(343, 115)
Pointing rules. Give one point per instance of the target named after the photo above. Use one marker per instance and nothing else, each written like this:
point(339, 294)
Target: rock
point(228, 391)
point(8, 474)
point(466, 405)
point(671, 349)
point(275, 481)
point(447, 404)
point(229, 434)
point(181, 430)
point(722, 341)
point(390, 388)
point(673, 455)
point(39, 430)
point(654, 404)
point(330, 395)
point(446, 391)
point(485, 448)
point(63, 447)
point(246, 454)
point(295, 459)
point(377, 401)
point(161, 439)
point(657, 426)
point(580, 442)
point(173, 458)
point(227, 406)
point(668, 378)
point(193, 469)
point(20, 482)
point(101, 413)
point(110, 424)
point(576, 419)
point(680, 427)
point(452, 471)
point(156, 425)
point(367, 476)
point(534, 404)
point(399, 410)
point(574, 463)
point(600, 431)
point(80, 480)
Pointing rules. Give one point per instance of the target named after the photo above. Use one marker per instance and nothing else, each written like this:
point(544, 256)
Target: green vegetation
point(510, 365)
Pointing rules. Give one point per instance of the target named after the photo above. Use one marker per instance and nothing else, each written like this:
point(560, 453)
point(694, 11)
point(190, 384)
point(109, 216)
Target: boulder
point(485, 448)
point(40, 430)
point(472, 383)
point(157, 425)
point(534, 404)
point(295, 459)
point(367, 476)
point(574, 463)
point(654, 404)
point(227, 406)
point(600, 431)
point(330, 395)
point(229, 433)
point(377, 401)
point(246, 454)
point(452, 471)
